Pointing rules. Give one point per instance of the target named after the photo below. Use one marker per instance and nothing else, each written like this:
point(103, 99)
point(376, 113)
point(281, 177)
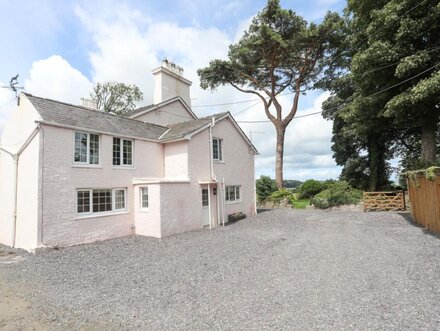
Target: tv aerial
point(13, 85)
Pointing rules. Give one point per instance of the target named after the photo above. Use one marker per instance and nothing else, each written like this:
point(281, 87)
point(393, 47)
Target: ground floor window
point(101, 200)
point(232, 193)
point(144, 197)
point(205, 198)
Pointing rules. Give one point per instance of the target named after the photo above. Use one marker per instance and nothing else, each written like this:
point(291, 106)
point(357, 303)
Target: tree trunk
point(428, 154)
point(279, 155)
point(377, 163)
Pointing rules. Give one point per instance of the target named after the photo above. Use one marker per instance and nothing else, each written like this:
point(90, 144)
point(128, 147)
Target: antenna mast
point(13, 85)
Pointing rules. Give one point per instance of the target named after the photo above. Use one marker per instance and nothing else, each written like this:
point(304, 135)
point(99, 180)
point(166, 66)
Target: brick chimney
point(169, 83)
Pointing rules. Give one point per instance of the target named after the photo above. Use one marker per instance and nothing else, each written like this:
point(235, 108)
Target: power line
point(368, 96)
point(243, 110)
point(395, 63)
point(237, 102)
point(7, 103)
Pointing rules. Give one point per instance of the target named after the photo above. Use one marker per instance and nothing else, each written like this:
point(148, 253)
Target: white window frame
point(87, 162)
point(219, 149)
point(207, 190)
point(100, 213)
point(235, 188)
point(141, 207)
point(121, 153)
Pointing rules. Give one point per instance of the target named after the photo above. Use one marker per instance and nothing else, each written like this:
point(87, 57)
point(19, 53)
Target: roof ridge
point(92, 110)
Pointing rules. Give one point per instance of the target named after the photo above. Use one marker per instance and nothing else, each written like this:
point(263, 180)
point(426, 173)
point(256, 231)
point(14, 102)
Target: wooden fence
point(424, 196)
point(384, 201)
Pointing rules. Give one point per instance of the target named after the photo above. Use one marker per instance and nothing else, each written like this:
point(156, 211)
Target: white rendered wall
point(19, 127)
point(27, 197)
point(61, 179)
point(172, 113)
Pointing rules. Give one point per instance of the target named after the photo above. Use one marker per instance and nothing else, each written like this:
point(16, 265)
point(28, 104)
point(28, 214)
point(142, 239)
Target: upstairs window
point(86, 148)
point(122, 152)
point(232, 193)
point(217, 149)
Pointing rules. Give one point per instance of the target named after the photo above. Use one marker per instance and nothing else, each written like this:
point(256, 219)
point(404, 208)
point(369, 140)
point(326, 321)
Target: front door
point(205, 205)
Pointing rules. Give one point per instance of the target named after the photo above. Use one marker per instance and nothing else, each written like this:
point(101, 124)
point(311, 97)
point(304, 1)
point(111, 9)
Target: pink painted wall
point(148, 222)
point(61, 179)
point(176, 160)
point(181, 206)
point(237, 167)
point(172, 113)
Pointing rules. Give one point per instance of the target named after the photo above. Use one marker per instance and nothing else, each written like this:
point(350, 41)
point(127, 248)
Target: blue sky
point(60, 48)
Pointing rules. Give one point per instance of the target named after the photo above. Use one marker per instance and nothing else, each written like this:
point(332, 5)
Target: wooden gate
point(384, 201)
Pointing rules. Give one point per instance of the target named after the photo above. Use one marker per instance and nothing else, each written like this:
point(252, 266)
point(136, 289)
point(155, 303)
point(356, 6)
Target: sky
point(61, 49)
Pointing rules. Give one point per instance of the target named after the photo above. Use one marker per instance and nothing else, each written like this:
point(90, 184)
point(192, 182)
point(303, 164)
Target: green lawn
point(301, 204)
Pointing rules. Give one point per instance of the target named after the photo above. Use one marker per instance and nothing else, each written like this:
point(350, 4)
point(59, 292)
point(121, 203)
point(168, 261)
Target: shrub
point(265, 186)
point(281, 194)
point(310, 188)
point(338, 193)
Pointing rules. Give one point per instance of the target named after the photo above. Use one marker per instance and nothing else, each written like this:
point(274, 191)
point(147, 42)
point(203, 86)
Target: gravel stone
point(282, 269)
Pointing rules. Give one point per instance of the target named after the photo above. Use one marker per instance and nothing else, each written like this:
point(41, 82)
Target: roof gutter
point(16, 157)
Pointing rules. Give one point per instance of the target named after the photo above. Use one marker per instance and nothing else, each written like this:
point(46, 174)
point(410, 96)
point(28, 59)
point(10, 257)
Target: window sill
point(93, 166)
point(95, 215)
point(219, 162)
point(123, 168)
point(233, 202)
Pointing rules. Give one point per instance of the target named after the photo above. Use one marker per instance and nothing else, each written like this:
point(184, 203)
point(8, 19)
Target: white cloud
point(55, 78)
point(128, 44)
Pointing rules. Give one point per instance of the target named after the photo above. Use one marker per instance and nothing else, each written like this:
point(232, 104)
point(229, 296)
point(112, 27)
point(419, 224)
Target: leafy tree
point(310, 188)
point(384, 94)
point(337, 194)
point(291, 183)
point(265, 186)
point(279, 52)
point(114, 97)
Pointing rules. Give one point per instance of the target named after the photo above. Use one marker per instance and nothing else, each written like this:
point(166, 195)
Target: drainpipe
point(211, 170)
point(15, 157)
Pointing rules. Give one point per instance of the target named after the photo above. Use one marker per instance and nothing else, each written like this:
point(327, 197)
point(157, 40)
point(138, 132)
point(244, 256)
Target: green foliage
point(387, 43)
point(300, 204)
point(338, 193)
point(265, 186)
point(310, 188)
point(280, 195)
point(291, 183)
point(279, 52)
point(114, 97)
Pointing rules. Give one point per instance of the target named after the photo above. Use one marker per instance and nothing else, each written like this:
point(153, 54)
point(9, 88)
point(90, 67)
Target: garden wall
point(424, 196)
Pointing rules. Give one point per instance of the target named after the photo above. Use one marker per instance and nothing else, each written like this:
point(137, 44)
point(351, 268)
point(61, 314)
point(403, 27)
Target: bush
point(338, 193)
point(265, 186)
point(281, 194)
point(310, 188)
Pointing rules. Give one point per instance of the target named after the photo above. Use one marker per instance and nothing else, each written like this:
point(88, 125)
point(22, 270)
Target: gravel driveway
point(283, 269)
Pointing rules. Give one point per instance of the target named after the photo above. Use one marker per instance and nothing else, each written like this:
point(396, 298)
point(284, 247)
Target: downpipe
point(16, 157)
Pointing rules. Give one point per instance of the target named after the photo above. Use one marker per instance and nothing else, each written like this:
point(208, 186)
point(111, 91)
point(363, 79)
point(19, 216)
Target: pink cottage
point(71, 174)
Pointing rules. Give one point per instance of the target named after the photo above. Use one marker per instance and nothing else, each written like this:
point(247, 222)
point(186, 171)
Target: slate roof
point(138, 110)
point(180, 130)
point(61, 113)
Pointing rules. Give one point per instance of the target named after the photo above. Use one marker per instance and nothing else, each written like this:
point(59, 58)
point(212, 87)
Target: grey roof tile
point(180, 130)
point(62, 113)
